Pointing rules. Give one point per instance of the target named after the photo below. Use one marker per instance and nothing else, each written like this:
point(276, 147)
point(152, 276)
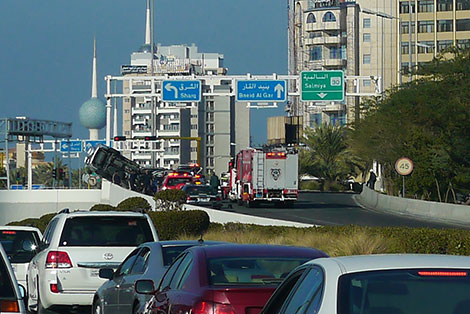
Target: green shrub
point(134, 204)
point(310, 185)
point(102, 207)
point(40, 223)
point(170, 199)
point(171, 224)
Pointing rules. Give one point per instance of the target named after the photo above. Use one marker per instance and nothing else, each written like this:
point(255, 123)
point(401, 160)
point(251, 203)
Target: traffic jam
point(114, 262)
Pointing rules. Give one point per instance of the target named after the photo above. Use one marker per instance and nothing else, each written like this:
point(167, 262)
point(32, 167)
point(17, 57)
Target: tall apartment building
point(222, 126)
point(435, 26)
point(358, 37)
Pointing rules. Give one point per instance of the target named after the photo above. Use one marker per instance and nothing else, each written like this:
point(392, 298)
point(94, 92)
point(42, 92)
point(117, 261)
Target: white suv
point(76, 245)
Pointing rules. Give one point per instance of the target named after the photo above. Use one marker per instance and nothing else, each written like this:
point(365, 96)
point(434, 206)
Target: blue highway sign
point(75, 146)
point(90, 144)
point(261, 90)
point(181, 91)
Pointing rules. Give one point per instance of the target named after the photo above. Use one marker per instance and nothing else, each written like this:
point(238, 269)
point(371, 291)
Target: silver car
point(11, 294)
point(21, 244)
point(148, 261)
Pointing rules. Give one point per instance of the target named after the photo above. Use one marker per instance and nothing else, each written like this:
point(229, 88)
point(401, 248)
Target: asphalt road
point(333, 209)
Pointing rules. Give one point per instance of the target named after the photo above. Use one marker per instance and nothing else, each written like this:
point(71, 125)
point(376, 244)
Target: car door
point(126, 287)
point(176, 297)
point(111, 290)
point(163, 306)
point(307, 294)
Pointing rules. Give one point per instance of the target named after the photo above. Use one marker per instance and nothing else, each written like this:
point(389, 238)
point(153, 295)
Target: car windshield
point(170, 253)
point(6, 286)
point(200, 189)
point(176, 181)
point(260, 271)
point(405, 291)
point(20, 246)
point(106, 231)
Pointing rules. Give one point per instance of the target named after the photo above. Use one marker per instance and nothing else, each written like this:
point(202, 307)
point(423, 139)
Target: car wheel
point(97, 307)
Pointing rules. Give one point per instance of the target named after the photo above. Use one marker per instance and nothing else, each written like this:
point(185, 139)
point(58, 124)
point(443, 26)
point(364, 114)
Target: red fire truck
point(264, 176)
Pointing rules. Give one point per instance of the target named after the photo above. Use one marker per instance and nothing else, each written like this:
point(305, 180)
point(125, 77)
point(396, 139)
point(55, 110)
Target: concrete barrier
point(431, 211)
point(19, 205)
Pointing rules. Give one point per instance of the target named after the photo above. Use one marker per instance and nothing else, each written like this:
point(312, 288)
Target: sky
point(46, 48)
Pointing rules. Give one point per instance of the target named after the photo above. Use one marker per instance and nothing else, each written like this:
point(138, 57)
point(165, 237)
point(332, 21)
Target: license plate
point(204, 199)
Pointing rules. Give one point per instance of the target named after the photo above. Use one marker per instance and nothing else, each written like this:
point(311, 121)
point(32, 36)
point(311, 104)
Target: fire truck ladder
point(260, 172)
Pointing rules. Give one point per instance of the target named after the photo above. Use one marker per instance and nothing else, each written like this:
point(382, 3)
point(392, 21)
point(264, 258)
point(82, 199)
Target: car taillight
point(443, 273)
point(206, 307)
point(58, 259)
point(9, 306)
point(54, 288)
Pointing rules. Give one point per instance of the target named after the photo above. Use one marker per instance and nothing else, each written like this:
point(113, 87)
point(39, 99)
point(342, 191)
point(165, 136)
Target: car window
point(141, 261)
point(166, 279)
point(282, 292)
point(106, 231)
point(6, 286)
point(306, 294)
point(20, 245)
point(262, 271)
point(50, 231)
point(170, 253)
point(178, 276)
point(409, 291)
point(126, 265)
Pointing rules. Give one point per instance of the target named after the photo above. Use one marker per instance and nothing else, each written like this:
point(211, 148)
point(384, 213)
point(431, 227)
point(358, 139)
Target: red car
point(223, 279)
point(176, 180)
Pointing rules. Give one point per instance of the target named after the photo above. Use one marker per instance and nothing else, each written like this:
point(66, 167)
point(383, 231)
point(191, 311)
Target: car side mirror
point(22, 291)
point(145, 286)
point(106, 273)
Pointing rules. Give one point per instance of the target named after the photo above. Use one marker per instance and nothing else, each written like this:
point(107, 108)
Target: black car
point(202, 195)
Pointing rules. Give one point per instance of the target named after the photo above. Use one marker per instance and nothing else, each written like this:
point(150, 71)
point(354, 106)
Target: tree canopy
point(427, 121)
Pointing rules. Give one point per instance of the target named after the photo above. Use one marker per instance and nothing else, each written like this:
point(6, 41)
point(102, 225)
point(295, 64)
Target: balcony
point(141, 134)
point(318, 26)
point(325, 40)
point(334, 62)
point(142, 110)
point(334, 107)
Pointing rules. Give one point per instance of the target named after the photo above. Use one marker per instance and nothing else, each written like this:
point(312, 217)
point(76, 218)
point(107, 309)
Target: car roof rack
point(64, 211)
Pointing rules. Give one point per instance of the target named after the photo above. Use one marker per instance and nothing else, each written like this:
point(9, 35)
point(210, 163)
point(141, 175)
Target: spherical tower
point(92, 113)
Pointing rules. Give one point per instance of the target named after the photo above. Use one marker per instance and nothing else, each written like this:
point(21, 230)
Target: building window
point(335, 52)
point(329, 17)
point(405, 48)
point(444, 26)
point(366, 59)
point(426, 47)
point(462, 5)
point(315, 34)
point(405, 27)
point(315, 53)
point(315, 119)
point(463, 43)
point(193, 149)
point(366, 23)
point(444, 5)
point(193, 116)
point(404, 8)
point(338, 118)
point(311, 18)
point(444, 44)
point(426, 6)
point(425, 26)
point(463, 25)
point(366, 83)
point(126, 110)
point(193, 126)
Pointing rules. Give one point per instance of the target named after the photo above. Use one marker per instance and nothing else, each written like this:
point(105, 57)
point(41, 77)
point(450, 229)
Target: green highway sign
point(322, 86)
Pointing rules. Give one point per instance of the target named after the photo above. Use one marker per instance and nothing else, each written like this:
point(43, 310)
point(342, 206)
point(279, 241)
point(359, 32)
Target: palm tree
point(326, 152)
point(44, 172)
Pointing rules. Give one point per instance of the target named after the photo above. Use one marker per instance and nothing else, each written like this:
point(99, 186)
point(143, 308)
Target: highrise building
point(222, 126)
point(358, 37)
